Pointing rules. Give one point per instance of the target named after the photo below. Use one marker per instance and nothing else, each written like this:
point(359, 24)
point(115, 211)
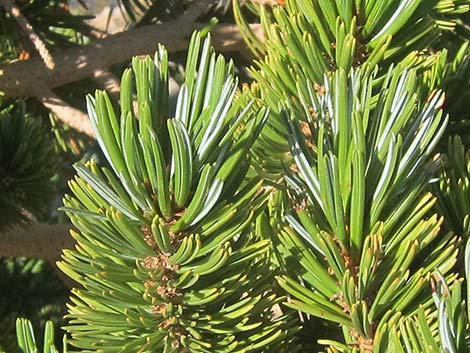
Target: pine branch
point(184, 235)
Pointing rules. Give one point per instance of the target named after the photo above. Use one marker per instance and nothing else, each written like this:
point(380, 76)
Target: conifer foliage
point(166, 230)
point(322, 192)
point(25, 168)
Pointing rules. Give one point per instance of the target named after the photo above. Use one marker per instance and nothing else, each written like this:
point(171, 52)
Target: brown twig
point(46, 57)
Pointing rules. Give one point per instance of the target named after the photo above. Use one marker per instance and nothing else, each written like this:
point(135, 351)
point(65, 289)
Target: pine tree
point(331, 192)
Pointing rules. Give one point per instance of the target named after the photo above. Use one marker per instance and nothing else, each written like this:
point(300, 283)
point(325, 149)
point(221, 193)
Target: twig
point(28, 29)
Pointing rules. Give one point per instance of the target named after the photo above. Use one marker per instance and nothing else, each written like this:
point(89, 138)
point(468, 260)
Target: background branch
point(67, 114)
point(19, 79)
point(108, 81)
point(43, 241)
point(22, 78)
